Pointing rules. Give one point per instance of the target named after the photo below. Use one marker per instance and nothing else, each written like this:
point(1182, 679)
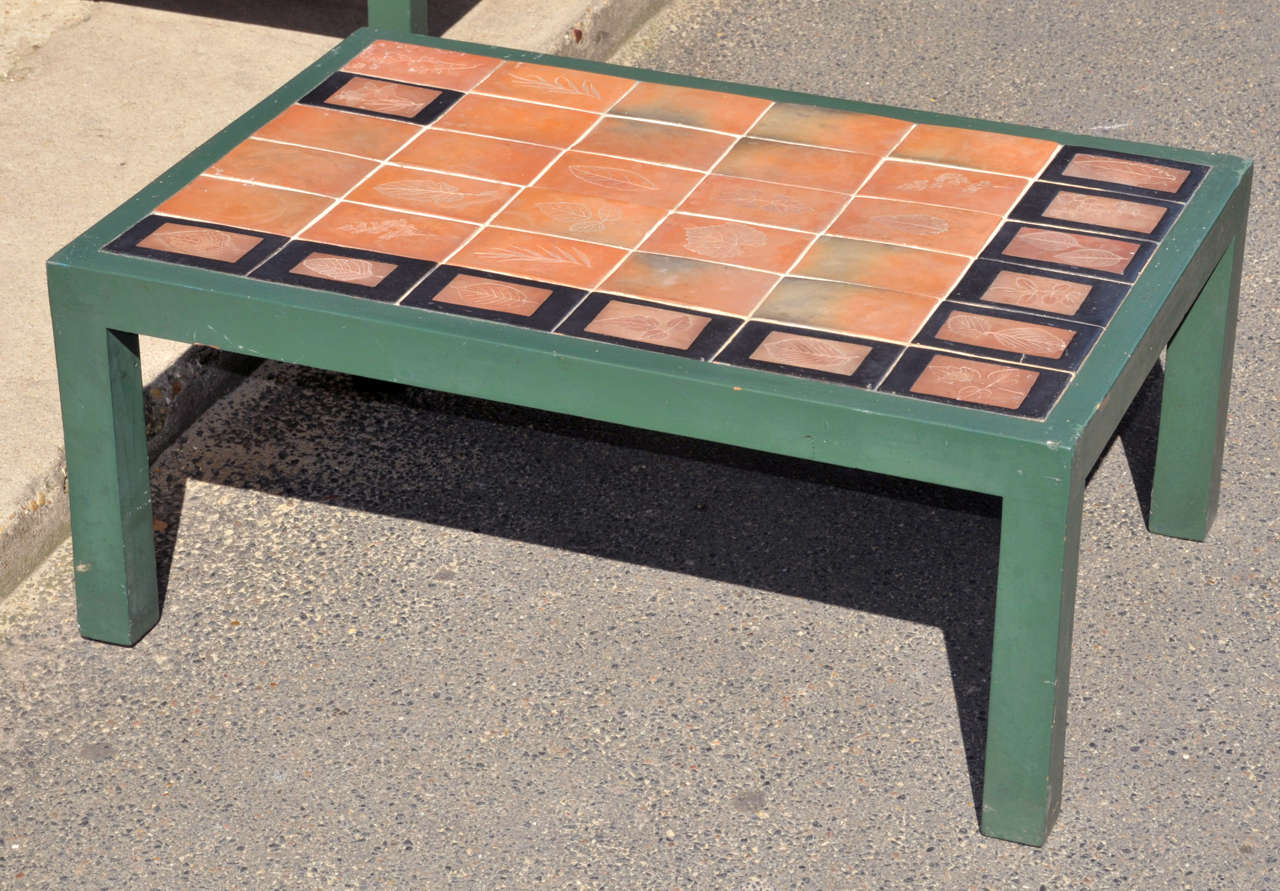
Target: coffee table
point(947, 300)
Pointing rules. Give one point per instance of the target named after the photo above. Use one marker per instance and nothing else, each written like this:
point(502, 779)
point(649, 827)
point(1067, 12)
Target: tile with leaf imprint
point(579, 264)
point(556, 86)
point(435, 193)
point(575, 215)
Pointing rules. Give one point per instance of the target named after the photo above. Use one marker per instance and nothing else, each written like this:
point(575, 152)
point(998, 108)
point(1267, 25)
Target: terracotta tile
point(920, 225)
point(760, 202)
point(968, 380)
point(437, 193)
point(556, 86)
point(538, 257)
point(422, 65)
point(648, 324)
point(389, 232)
point(1072, 249)
point(574, 215)
point(815, 353)
point(338, 131)
point(728, 112)
point(1036, 292)
point(999, 152)
point(691, 283)
point(1138, 174)
point(659, 143)
point(496, 296)
point(523, 121)
point(1011, 335)
point(1099, 210)
point(277, 211)
point(197, 241)
point(401, 100)
point(831, 128)
point(870, 312)
point(619, 179)
point(797, 165)
point(882, 266)
point(482, 156)
point(352, 270)
point(930, 184)
point(296, 167)
point(728, 241)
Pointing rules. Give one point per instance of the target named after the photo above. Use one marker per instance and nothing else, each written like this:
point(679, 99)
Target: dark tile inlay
point(1055, 294)
point(324, 267)
point(857, 361)
point(1089, 209)
point(494, 297)
point(1013, 336)
point(651, 326)
point(966, 382)
point(205, 245)
point(380, 98)
point(1120, 172)
point(1120, 259)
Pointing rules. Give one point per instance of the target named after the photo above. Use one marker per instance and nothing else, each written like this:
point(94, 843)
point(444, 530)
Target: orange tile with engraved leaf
point(797, 165)
point(436, 193)
point(545, 258)
point(1101, 210)
point(575, 215)
point(482, 156)
point(389, 232)
point(1011, 335)
point(338, 131)
point(659, 143)
point(793, 207)
point(1072, 249)
point(352, 270)
point(1125, 172)
point(556, 86)
point(831, 128)
point(422, 65)
point(486, 293)
point(293, 166)
point(384, 97)
point(849, 309)
point(969, 380)
point(522, 121)
point(997, 152)
point(647, 324)
point(1032, 291)
point(619, 179)
point(878, 265)
point(246, 205)
point(728, 241)
point(691, 283)
point(934, 227)
point(727, 112)
point(198, 241)
point(931, 184)
point(814, 353)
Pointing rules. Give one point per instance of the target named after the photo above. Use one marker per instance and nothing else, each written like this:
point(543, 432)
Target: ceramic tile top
point(947, 264)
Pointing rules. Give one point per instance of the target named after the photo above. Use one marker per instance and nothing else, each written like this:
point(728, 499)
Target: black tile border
point(554, 308)
point(704, 346)
point(995, 251)
point(1104, 298)
point(1032, 207)
point(1054, 172)
point(399, 280)
point(1041, 398)
point(1077, 347)
point(869, 372)
point(128, 244)
point(336, 81)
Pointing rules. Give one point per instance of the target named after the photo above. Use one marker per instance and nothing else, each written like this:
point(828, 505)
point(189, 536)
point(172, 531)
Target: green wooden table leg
point(100, 379)
point(399, 15)
point(1193, 414)
point(1031, 657)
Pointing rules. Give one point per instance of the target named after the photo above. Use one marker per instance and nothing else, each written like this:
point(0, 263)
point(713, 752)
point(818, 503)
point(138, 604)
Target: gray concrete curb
point(587, 29)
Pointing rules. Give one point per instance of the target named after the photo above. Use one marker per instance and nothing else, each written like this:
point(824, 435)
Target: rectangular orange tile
point(797, 165)
point(876, 265)
point(998, 152)
point(427, 191)
point(849, 309)
point(1019, 288)
point(482, 156)
point(931, 184)
point(297, 167)
point(969, 380)
point(831, 128)
point(555, 86)
point(659, 143)
point(426, 65)
point(728, 241)
point(522, 121)
point(814, 353)
point(575, 215)
point(488, 294)
point(389, 232)
point(384, 97)
point(353, 270)
point(1072, 249)
point(1101, 210)
point(691, 283)
point(728, 112)
point(1010, 335)
point(1122, 171)
point(197, 241)
point(919, 225)
point(249, 206)
point(770, 203)
point(647, 324)
point(542, 258)
point(619, 179)
point(338, 131)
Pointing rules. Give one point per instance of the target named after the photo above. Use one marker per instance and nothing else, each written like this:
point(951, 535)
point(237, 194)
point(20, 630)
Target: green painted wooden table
point(947, 300)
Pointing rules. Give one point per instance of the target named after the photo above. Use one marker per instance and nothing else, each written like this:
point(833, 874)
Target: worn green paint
point(100, 302)
point(409, 16)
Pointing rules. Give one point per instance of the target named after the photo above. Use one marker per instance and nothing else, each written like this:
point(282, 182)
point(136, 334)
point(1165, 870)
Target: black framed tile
point(494, 297)
point(1011, 336)
point(650, 326)
point(1040, 292)
point(856, 361)
point(1070, 250)
point(1125, 215)
point(975, 383)
point(357, 273)
point(192, 243)
point(381, 98)
point(1121, 172)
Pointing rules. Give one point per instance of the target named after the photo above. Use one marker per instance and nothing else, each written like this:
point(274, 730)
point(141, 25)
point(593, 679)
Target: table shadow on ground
point(335, 18)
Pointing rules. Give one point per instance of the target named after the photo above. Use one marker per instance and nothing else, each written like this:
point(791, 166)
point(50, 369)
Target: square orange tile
point(659, 143)
point(543, 258)
point(797, 165)
point(437, 193)
point(691, 283)
point(728, 112)
point(968, 380)
point(511, 119)
point(619, 179)
point(556, 86)
point(422, 65)
point(728, 241)
point(384, 97)
point(338, 131)
point(770, 203)
point(482, 156)
point(849, 309)
point(998, 152)
point(831, 128)
point(920, 225)
point(889, 266)
point(297, 167)
point(931, 184)
point(248, 206)
point(575, 215)
point(389, 232)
